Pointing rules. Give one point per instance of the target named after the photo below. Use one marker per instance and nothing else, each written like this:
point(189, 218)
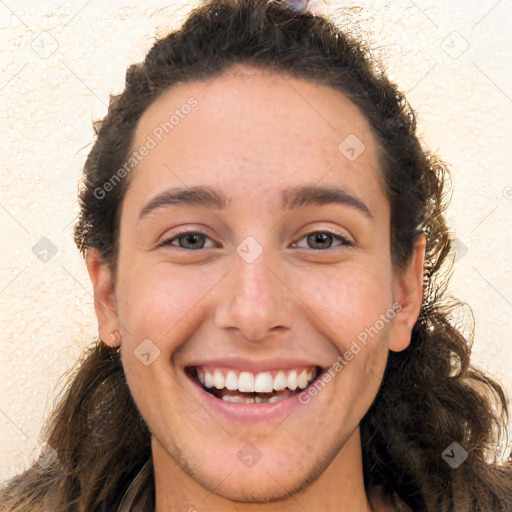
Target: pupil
point(320, 237)
point(191, 238)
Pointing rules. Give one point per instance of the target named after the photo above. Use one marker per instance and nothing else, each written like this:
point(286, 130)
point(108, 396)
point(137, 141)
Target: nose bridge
point(255, 298)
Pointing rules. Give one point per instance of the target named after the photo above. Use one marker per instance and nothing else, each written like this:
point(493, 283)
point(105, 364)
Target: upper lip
point(250, 365)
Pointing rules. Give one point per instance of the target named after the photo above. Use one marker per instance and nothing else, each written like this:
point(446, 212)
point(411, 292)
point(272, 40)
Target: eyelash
point(175, 236)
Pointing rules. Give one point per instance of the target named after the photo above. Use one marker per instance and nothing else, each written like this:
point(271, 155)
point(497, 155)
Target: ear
point(104, 298)
point(408, 292)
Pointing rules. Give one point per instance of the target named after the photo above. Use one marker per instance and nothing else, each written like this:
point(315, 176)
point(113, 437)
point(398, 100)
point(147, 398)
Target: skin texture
point(251, 135)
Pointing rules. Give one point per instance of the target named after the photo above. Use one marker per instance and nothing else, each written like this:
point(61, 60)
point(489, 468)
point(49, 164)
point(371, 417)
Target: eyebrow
point(291, 198)
point(297, 197)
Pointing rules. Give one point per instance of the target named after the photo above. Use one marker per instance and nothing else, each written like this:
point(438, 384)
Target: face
point(276, 281)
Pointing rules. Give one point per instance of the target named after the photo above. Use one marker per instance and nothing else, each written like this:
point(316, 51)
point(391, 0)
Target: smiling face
point(272, 277)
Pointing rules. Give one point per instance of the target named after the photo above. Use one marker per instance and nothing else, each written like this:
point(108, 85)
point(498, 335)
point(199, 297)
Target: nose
point(255, 299)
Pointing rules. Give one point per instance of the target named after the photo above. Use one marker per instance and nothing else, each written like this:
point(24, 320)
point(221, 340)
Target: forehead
point(255, 130)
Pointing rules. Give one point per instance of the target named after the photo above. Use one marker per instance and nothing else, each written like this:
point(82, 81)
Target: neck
point(339, 488)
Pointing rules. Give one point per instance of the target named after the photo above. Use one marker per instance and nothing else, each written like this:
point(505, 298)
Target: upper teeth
point(264, 382)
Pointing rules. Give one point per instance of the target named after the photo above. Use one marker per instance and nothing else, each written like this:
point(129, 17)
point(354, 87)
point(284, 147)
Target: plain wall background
point(59, 62)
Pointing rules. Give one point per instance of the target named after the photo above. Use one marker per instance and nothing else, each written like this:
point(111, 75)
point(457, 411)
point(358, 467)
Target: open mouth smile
point(242, 394)
point(246, 387)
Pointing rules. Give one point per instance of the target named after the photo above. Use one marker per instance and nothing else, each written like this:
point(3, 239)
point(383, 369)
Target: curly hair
point(431, 395)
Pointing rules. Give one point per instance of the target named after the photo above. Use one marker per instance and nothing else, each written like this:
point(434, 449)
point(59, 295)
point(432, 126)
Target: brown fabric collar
point(137, 497)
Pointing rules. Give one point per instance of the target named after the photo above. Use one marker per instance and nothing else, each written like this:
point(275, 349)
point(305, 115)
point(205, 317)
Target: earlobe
point(104, 298)
point(408, 292)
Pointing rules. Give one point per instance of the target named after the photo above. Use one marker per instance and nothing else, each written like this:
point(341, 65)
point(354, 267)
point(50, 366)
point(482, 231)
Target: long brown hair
point(431, 395)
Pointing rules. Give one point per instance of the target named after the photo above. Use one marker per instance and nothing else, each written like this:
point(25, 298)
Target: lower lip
point(249, 413)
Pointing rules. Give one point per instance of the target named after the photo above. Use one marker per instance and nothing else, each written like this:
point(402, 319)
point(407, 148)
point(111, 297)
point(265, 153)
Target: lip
point(247, 413)
point(250, 365)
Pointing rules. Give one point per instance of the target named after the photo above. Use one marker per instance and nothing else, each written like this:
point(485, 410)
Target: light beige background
point(59, 62)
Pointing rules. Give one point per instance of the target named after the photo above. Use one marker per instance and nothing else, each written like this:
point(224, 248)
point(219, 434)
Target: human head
point(400, 169)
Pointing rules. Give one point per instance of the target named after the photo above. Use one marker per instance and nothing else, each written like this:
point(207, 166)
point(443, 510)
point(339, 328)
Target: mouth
point(243, 387)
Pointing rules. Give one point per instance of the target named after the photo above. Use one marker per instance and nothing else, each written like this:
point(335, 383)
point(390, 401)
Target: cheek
point(154, 300)
point(352, 309)
point(348, 301)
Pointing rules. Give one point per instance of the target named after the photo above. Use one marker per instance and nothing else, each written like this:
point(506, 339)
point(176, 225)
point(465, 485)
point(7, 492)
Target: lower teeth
point(250, 400)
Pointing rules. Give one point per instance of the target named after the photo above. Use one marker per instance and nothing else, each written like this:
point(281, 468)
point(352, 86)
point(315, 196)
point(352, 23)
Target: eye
point(324, 239)
point(195, 240)
point(192, 240)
